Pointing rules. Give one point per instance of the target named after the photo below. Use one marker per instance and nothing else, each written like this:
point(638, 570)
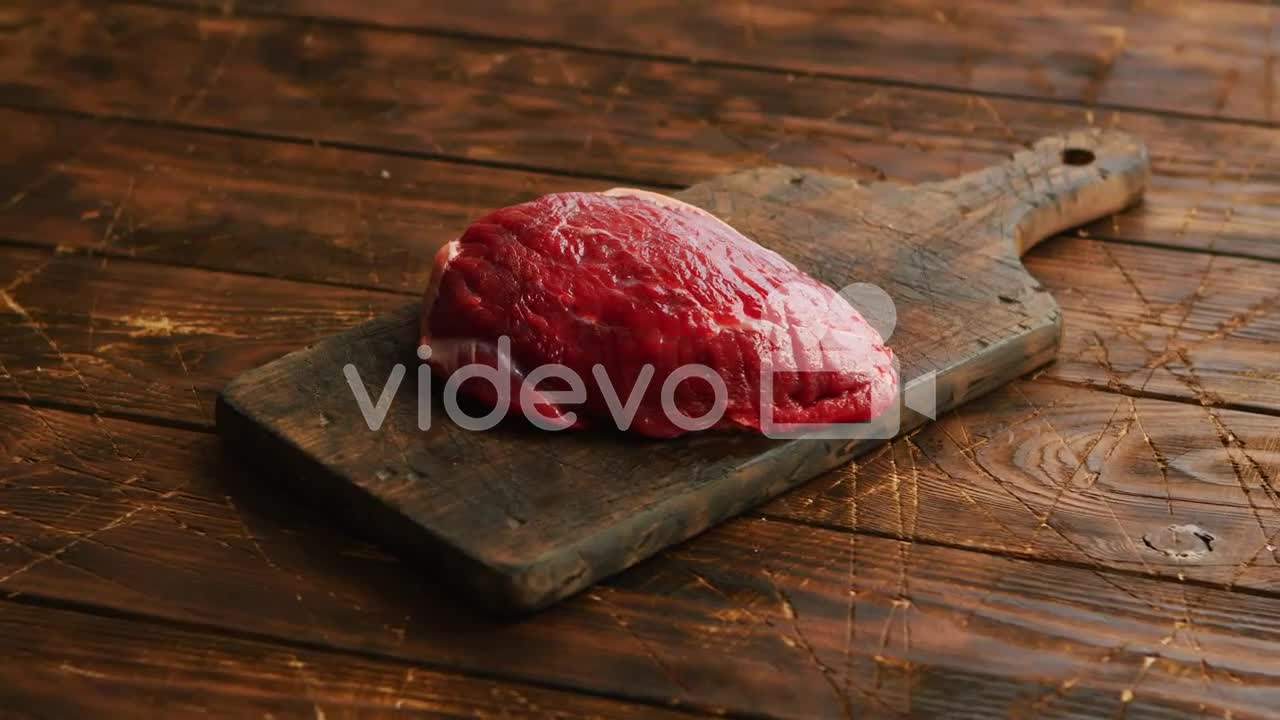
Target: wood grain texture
point(230, 203)
point(210, 549)
point(137, 352)
point(1103, 480)
point(585, 113)
point(149, 340)
point(1174, 324)
point(755, 617)
point(146, 315)
point(224, 203)
point(1198, 59)
point(69, 664)
point(521, 519)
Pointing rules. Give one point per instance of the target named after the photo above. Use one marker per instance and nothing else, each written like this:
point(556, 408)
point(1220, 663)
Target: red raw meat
point(627, 278)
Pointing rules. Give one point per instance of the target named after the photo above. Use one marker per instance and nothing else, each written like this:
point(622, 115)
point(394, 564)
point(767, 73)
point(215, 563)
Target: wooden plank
point(164, 341)
point(755, 617)
point(1173, 323)
point(583, 113)
point(1187, 58)
point(224, 203)
point(1103, 480)
point(72, 664)
point(228, 203)
point(153, 341)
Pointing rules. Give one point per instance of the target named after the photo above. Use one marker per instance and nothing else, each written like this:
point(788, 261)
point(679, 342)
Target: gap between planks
point(1135, 242)
point(782, 70)
point(1154, 395)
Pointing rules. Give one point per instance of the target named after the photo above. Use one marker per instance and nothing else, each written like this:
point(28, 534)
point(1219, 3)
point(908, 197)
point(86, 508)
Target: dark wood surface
point(522, 519)
point(190, 190)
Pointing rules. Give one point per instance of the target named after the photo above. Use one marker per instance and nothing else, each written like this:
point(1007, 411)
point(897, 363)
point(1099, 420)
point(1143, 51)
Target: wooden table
point(191, 188)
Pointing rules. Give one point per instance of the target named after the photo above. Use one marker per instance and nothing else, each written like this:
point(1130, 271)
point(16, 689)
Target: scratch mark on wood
point(115, 216)
point(1162, 461)
point(1137, 291)
point(982, 508)
point(41, 332)
point(216, 74)
point(801, 641)
point(999, 121)
point(1096, 565)
point(1127, 694)
point(613, 611)
point(1225, 328)
point(851, 578)
point(55, 554)
point(309, 684)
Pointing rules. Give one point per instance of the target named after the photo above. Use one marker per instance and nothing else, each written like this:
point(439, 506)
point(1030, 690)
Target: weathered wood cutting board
point(520, 518)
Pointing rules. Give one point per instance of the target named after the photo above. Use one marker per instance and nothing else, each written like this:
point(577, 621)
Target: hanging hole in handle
point(1077, 156)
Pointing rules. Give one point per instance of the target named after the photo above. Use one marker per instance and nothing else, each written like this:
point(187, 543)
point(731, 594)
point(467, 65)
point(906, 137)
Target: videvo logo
point(918, 394)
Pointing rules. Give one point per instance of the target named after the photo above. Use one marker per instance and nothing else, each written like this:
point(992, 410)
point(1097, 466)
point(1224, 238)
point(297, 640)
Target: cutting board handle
point(1060, 182)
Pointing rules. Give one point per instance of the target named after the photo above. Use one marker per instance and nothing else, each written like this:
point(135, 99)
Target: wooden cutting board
point(519, 518)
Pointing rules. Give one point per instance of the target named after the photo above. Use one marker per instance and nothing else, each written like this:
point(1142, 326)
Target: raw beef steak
point(643, 285)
